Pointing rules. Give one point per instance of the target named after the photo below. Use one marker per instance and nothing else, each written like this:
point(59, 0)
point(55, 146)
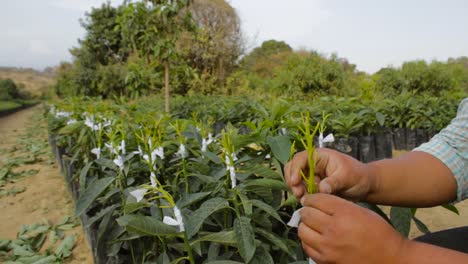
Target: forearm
point(416, 179)
point(417, 252)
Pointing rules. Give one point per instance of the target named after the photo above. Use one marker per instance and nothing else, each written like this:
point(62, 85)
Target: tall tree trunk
point(166, 84)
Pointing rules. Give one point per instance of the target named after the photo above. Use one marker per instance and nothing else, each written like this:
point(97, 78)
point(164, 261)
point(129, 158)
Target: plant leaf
point(191, 198)
point(245, 238)
point(246, 203)
point(65, 248)
point(261, 170)
point(197, 218)
point(227, 237)
point(83, 174)
point(262, 256)
point(280, 147)
point(101, 214)
point(452, 208)
point(267, 208)
point(223, 262)
point(91, 193)
point(146, 225)
point(269, 184)
point(421, 226)
point(273, 239)
point(401, 219)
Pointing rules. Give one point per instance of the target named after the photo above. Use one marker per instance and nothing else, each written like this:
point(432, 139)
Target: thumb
point(329, 185)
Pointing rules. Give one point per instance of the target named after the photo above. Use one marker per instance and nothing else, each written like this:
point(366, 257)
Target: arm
point(416, 179)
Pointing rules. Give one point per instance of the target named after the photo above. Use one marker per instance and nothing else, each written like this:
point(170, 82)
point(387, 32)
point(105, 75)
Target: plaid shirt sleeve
point(450, 146)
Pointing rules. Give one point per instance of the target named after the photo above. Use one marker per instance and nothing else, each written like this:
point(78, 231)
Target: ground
point(45, 197)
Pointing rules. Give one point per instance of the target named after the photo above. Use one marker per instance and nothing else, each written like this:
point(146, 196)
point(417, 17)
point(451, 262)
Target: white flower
point(182, 152)
point(157, 152)
point(138, 194)
point(139, 152)
point(206, 142)
point(178, 221)
point(232, 175)
point(71, 121)
point(327, 139)
point(111, 148)
point(89, 122)
point(97, 152)
point(119, 161)
point(62, 114)
point(150, 144)
point(284, 131)
point(122, 147)
point(154, 183)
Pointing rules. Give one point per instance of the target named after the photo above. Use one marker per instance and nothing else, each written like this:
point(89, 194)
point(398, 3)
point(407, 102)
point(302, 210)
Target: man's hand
point(335, 172)
point(334, 230)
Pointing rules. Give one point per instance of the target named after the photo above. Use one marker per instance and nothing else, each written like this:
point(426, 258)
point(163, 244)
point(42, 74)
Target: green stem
point(188, 248)
point(184, 171)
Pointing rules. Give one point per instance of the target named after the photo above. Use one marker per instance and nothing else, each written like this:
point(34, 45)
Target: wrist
point(373, 180)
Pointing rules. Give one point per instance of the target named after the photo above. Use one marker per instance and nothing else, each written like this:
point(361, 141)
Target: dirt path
point(46, 195)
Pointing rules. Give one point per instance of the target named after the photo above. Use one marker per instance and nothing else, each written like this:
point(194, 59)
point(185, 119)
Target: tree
point(152, 29)
point(217, 43)
point(264, 59)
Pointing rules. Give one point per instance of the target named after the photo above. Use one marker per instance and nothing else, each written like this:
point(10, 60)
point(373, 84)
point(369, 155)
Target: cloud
point(39, 47)
point(289, 21)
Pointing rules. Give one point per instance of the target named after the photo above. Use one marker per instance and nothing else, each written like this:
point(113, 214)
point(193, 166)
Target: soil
point(46, 196)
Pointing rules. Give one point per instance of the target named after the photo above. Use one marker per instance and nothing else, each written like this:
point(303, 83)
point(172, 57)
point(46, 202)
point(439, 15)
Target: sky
point(371, 34)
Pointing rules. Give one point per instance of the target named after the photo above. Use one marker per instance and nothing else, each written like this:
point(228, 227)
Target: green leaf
point(261, 170)
point(452, 208)
point(133, 207)
point(269, 184)
point(245, 238)
point(222, 237)
point(197, 218)
point(246, 203)
point(191, 198)
point(3, 173)
point(267, 208)
point(380, 118)
point(71, 128)
point(91, 193)
point(401, 219)
point(223, 262)
point(262, 257)
point(101, 214)
point(146, 225)
point(273, 239)
point(65, 248)
point(83, 174)
point(46, 260)
point(280, 147)
point(212, 157)
point(421, 226)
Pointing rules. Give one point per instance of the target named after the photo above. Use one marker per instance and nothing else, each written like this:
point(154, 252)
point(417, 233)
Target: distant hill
point(33, 81)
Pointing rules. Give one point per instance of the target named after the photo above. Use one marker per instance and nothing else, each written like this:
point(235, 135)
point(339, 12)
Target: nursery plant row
point(205, 183)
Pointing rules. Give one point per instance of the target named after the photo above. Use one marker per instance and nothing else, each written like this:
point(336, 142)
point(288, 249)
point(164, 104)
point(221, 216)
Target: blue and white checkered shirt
point(450, 146)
